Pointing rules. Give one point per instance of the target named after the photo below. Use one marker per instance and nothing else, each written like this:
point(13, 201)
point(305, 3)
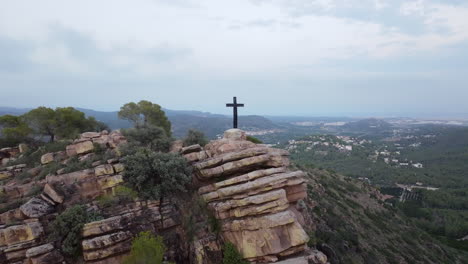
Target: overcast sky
point(279, 57)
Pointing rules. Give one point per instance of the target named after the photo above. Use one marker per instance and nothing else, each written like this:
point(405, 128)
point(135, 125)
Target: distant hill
point(369, 124)
point(182, 120)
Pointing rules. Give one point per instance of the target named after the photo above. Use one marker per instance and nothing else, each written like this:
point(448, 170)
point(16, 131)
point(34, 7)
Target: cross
point(234, 105)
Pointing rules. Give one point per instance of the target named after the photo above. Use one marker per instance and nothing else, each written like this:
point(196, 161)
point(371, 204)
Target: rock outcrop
point(252, 193)
point(23, 229)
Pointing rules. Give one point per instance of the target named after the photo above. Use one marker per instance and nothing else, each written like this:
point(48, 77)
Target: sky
point(279, 57)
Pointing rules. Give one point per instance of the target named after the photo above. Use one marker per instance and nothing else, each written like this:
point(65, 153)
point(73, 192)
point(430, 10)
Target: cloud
point(187, 47)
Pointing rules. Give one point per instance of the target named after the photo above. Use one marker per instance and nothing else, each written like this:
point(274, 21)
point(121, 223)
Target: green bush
point(194, 137)
point(152, 137)
point(146, 249)
point(67, 228)
point(231, 255)
point(50, 168)
point(155, 175)
point(11, 205)
point(254, 140)
point(35, 190)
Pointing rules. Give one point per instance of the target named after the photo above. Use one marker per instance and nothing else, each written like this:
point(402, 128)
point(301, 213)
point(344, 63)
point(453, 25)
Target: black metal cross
point(234, 105)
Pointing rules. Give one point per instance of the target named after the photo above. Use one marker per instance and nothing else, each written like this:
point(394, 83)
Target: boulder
point(190, 149)
point(88, 135)
point(235, 134)
point(23, 148)
point(52, 194)
point(105, 169)
point(52, 257)
point(39, 250)
point(115, 249)
point(36, 207)
point(12, 216)
point(107, 182)
point(105, 241)
point(317, 257)
point(104, 226)
point(118, 167)
point(5, 175)
point(20, 233)
point(80, 148)
point(47, 158)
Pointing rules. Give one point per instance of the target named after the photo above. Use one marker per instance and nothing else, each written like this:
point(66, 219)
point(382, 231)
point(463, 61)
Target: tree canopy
point(146, 249)
point(145, 113)
point(14, 129)
point(64, 122)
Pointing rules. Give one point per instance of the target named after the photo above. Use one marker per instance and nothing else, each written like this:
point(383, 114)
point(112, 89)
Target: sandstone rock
point(118, 248)
point(72, 177)
point(105, 241)
point(317, 257)
point(235, 134)
point(17, 251)
point(296, 260)
point(96, 163)
point(39, 250)
point(265, 183)
point(107, 225)
point(20, 233)
point(52, 257)
point(36, 208)
point(105, 169)
point(90, 135)
point(102, 140)
point(80, 148)
point(35, 171)
point(107, 182)
point(86, 157)
point(12, 216)
point(119, 167)
point(5, 175)
point(47, 199)
point(52, 194)
point(112, 161)
point(47, 158)
point(23, 148)
point(71, 151)
point(240, 179)
point(190, 149)
point(254, 202)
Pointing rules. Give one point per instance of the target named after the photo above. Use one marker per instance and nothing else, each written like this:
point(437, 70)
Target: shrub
point(155, 175)
point(74, 164)
point(194, 137)
point(254, 140)
point(146, 248)
point(35, 190)
point(50, 168)
point(11, 205)
point(152, 137)
point(231, 255)
point(67, 228)
point(23, 177)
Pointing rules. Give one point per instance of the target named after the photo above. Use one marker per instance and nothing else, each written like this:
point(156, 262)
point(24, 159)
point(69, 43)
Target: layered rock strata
point(23, 229)
point(251, 192)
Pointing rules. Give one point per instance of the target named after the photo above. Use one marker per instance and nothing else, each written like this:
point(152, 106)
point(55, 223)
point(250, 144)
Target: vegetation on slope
point(350, 224)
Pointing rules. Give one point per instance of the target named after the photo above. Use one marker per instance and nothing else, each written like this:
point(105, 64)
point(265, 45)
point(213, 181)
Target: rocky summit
point(253, 193)
point(248, 188)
